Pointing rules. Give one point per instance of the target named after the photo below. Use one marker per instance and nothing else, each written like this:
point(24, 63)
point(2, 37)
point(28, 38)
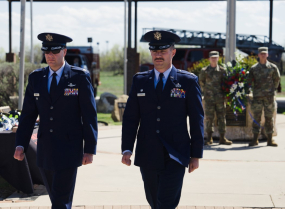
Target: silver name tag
point(36, 94)
point(141, 94)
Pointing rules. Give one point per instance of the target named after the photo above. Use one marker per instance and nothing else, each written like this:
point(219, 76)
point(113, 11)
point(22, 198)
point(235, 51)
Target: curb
point(136, 207)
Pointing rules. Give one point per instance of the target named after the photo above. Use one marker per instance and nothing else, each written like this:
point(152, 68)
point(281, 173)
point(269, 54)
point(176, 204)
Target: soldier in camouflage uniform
point(265, 78)
point(210, 81)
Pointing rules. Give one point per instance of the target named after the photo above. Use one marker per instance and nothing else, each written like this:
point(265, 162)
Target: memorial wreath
point(235, 85)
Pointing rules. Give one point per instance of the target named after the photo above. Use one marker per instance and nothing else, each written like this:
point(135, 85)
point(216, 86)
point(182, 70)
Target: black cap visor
point(52, 47)
point(160, 46)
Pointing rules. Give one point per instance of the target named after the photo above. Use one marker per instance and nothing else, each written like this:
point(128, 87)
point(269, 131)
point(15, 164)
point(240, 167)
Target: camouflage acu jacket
point(210, 81)
point(264, 79)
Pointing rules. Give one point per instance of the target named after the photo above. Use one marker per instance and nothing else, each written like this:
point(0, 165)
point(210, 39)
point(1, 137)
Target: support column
point(32, 44)
point(270, 21)
point(129, 23)
point(22, 55)
point(231, 30)
point(10, 57)
point(10, 26)
point(136, 24)
point(125, 47)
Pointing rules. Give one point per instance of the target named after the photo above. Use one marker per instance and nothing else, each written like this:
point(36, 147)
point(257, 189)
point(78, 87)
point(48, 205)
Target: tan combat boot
point(209, 139)
point(224, 140)
point(254, 141)
point(270, 141)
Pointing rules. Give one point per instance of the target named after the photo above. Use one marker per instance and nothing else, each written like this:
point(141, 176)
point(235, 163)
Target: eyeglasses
point(56, 51)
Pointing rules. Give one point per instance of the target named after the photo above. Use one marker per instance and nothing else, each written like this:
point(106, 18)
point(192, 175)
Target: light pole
point(125, 47)
point(107, 46)
point(22, 55)
point(231, 30)
point(32, 47)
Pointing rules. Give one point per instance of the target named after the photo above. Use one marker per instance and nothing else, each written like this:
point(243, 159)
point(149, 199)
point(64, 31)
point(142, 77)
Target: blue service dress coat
point(68, 124)
point(164, 123)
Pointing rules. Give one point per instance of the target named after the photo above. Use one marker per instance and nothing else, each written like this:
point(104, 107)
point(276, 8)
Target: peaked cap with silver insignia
point(53, 41)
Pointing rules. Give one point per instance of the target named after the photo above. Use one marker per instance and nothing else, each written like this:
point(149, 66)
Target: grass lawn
point(110, 83)
point(5, 188)
point(114, 85)
point(106, 117)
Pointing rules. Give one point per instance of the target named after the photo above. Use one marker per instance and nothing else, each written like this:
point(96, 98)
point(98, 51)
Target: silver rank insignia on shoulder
point(71, 85)
point(36, 94)
point(150, 77)
point(141, 90)
point(177, 85)
point(66, 75)
point(44, 75)
point(171, 77)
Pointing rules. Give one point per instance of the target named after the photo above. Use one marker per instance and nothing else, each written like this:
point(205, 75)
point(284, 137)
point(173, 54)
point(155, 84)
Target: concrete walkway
point(229, 176)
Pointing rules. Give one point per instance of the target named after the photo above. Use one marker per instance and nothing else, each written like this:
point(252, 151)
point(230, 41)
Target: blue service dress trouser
point(60, 185)
point(163, 187)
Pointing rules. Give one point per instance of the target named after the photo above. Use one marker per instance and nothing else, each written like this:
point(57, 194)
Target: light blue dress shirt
point(164, 78)
point(58, 75)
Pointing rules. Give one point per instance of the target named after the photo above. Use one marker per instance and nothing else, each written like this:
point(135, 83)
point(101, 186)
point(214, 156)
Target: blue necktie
point(159, 87)
point(53, 86)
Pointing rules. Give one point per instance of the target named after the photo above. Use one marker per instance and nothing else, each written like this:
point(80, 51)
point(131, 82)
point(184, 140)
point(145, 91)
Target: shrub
point(9, 82)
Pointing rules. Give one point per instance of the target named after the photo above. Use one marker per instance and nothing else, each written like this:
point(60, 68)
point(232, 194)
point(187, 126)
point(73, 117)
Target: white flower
point(243, 92)
point(232, 90)
point(238, 94)
point(234, 86)
point(229, 64)
point(249, 89)
point(241, 85)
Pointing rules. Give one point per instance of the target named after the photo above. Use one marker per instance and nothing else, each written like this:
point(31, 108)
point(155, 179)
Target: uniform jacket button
point(51, 107)
point(51, 118)
point(51, 130)
point(158, 107)
point(157, 131)
point(158, 119)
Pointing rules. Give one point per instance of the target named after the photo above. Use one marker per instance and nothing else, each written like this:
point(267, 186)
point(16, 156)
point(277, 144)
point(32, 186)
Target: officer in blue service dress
point(159, 104)
point(63, 97)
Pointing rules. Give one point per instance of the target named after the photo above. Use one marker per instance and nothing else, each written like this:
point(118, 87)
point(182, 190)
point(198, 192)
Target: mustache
point(159, 59)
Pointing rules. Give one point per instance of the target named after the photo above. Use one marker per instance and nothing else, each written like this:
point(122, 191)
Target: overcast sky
point(104, 21)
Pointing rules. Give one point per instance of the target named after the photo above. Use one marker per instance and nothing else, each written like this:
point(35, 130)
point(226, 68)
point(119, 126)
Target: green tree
point(113, 60)
point(144, 55)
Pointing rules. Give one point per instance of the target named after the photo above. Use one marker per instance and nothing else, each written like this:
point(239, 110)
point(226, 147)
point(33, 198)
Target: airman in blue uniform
point(159, 105)
point(63, 97)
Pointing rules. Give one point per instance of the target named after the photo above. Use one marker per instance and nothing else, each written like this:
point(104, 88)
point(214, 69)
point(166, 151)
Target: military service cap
point(214, 54)
point(53, 41)
point(160, 39)
point(263, 50)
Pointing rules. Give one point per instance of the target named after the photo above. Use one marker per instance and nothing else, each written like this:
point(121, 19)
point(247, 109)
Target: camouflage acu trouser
point(257, 106)
point(220, 108)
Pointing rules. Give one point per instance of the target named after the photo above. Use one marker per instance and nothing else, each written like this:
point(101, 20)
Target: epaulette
point(80, 69)
point(273, 65)
point(142, 73)
point(254, 65)
point(38, 70)
point(185, 72)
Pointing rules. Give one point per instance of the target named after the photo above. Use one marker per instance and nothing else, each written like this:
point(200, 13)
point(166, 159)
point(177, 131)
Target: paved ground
point(229, 176)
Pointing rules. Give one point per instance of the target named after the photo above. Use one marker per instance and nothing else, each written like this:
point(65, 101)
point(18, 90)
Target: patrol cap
point(160, 39)
point(263, 50)
point(214, 54)
point(53, 41)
